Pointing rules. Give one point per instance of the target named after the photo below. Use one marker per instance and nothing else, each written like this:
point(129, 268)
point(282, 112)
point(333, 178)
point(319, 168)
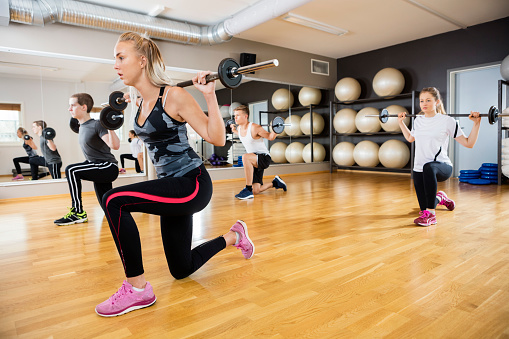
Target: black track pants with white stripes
point(102, 174)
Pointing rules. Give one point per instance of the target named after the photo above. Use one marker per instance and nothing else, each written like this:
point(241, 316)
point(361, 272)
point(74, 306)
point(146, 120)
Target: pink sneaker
point(126, 299)
point(18, 177)
point(426, 219)
point(122, 171)
point(444, 200)
point(245, 244)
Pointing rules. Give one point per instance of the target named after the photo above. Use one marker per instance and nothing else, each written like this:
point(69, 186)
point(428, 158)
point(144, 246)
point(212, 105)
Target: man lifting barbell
point(257, 156)
point(50, 157)
point(100, 165)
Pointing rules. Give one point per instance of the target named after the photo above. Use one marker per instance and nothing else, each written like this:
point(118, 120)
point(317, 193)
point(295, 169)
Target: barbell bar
point(492, 115)
point(277, 125)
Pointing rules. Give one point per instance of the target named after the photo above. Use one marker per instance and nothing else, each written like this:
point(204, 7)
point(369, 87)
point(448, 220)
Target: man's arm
point(258, 130)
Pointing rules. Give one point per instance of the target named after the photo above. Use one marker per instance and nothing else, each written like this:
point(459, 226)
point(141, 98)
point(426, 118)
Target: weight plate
point(470, 172)
point(109, 120)
point(49, 133)
point(227, 125)
point(75, 125)
point(489, 164)
point(493, 115)
point(489, 177)
point(115, 103)
point(492, 173)
point(469, 176)
point(278, 125)
point(225, 73)
point(384, 116)
point(479, 182)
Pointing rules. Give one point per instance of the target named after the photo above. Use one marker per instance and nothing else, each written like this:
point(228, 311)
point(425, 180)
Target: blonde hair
point(154, 68)
point(436, 94)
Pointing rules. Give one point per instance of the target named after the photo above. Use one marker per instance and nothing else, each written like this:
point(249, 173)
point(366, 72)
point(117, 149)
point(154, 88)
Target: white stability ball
point(343, 154)
point(234, 105)
point(293, 152)
point(294, 128)
point(344, 121)
point(394, 154)
point(310, 96)
point(392, 124)
point(282, 99)
point(318, 153)
point(277, 152)
point(365, 153)
point(318, 123)
point(388, 81)
point(225, 111)
point(347, 89)
point(368, 124)
point(504, 68)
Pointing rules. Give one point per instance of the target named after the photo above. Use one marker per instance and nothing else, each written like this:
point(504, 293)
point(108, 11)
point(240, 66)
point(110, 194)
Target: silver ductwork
point(71, 12)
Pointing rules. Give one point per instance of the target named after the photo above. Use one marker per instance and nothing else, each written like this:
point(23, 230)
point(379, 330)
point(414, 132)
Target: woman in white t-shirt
point(136, 153)
point(431, 131)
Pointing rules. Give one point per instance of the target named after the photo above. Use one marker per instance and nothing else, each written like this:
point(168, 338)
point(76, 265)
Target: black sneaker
point(279, 183)
point(72, 218)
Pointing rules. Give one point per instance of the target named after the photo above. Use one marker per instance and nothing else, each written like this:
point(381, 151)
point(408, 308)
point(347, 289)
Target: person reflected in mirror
point(431, 130)
point(50, 157)
point(136, 153)
point(30, 148)
point(257, 156)
point(100, 165)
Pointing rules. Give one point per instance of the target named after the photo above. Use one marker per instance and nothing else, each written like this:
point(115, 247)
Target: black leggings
point(175, 199)
point(425, 183)
point(54, 169)
point(22, 160)
point(102, 174)
point(130, 157)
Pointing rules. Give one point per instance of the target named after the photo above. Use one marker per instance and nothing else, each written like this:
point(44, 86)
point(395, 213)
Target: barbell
point(492, 115)
point(277, 125)
point(228, 72)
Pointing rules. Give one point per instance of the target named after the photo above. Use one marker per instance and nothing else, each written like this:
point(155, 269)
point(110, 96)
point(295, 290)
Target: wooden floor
point(336, 256)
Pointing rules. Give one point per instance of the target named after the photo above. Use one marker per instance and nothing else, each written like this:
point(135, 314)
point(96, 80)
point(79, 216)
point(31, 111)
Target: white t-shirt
point(252, 145)
point(432, 138)
point(136, 144)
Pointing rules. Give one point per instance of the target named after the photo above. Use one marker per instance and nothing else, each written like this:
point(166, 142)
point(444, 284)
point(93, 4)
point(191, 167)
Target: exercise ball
point(505, 120)
point(347, 89)
point(388, 81)
point(282, 99)
point(504, 68)
point(392, 124)
point(368, 124)
point(234, 105)
point(343, 154)
point(318, 123)
point(394, 154)
point(293, 152)
point(344, 121)
point(277, 152)
point(318, 152)
point(225, 111)
point(310, 96)
point(294, 128)
point(365, 153)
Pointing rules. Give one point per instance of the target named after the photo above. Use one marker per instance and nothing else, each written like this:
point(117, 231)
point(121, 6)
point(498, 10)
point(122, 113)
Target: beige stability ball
point(318, 153)
point(394, 154)
point(310, 96)
point(294, 128)
point(233, 106)
point(392, 124)
point(368, 124)
point(343, 154)
point(388, 81)
point(277, 152)
point(365, 153)
point(293, 152)
point(225, 111)
point(347, 89)
point(282, 99)
point(318, 123)
point(344, 121)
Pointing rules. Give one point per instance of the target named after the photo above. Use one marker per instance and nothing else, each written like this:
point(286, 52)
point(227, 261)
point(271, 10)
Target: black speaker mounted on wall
point(247, 59)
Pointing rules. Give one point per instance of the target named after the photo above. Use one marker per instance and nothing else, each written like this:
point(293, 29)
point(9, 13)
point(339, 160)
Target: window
point(10, 121)
point(95, 113)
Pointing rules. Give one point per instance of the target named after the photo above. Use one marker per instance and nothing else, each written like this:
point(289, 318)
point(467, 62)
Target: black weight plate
point(225, 73)
point(74, 124)
point(49, 133)
point(227, 125)
point(493, 115)
point(117, 101)
point(109, 118)
point(384, 116)
point(278, 125)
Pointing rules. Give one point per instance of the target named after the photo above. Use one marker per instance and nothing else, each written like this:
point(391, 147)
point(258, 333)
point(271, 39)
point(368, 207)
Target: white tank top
point(252, 145)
